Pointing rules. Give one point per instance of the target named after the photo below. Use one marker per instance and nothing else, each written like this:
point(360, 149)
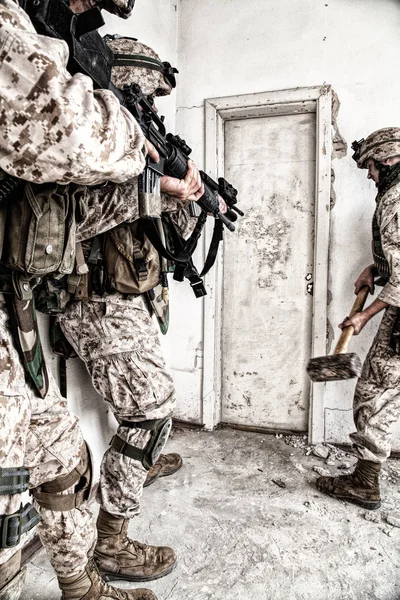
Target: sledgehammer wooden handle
point(347, 333)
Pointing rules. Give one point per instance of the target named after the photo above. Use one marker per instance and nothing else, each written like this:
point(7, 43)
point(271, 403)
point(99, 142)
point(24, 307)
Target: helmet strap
point(146, 62)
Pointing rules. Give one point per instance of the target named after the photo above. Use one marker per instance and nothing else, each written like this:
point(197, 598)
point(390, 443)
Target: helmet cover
point(134, 62)
point(379, 145)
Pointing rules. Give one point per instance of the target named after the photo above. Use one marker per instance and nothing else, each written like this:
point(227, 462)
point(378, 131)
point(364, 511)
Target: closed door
point(267, 272)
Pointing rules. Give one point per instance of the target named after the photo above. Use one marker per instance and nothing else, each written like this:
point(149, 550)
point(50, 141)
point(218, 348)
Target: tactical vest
point(38, 222)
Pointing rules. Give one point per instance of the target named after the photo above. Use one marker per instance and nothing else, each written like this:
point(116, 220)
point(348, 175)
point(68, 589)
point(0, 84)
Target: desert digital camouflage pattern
point(55, 128)
point(118, 341)
point(182, 219)
point(381, 144)
point(377, 395)
point(112, 204)
point(388, 219)
point(42, 435)
point(149, 80)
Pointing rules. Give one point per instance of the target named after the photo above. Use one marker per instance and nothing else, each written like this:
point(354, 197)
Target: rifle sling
point(218, 236)
point(183, 258)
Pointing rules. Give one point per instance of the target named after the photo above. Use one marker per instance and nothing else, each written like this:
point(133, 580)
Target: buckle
point(198, 288)
point(6, 527)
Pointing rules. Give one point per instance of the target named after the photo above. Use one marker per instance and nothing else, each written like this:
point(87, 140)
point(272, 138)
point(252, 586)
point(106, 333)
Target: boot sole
point(369, 505)
point(122, 577)
point(161, 474)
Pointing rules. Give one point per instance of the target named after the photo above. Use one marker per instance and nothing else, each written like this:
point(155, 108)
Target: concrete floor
point(247, 523)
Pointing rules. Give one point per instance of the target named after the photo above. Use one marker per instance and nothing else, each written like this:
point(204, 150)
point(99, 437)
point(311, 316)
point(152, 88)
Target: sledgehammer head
point(334, 367)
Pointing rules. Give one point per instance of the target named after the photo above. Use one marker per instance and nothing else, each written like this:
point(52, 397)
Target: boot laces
point(118, 594)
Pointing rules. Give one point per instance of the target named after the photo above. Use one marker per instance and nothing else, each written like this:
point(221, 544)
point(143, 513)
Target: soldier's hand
point(190, 188)
point(366, 277)
point(151, 151)
point(222, 205)
point(358, 321)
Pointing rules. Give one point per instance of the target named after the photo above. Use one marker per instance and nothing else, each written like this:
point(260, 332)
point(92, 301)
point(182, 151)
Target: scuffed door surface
point(268, 266)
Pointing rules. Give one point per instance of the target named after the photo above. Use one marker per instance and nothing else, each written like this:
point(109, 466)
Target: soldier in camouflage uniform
point(54, 128)
point(377, 396)
point(118, 341)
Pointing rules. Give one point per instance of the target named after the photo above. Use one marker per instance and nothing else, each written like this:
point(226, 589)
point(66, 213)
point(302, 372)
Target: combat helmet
point(134, 62)
point(379, 145)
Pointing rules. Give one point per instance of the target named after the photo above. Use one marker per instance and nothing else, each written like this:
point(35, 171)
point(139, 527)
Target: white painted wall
point(227, 47)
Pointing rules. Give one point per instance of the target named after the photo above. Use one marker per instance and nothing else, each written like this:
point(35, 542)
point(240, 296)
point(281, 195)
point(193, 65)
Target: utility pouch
point(131, 262)
point(40, 230)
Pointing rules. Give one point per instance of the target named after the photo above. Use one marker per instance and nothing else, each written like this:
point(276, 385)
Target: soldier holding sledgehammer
point(376, 402)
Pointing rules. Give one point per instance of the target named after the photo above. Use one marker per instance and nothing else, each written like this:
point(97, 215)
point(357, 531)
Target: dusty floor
point(248, 524)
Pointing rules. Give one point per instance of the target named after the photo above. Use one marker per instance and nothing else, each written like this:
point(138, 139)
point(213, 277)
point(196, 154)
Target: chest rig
point(38, 222)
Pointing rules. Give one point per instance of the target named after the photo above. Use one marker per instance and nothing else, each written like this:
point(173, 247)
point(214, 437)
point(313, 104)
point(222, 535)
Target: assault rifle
point(174, 155)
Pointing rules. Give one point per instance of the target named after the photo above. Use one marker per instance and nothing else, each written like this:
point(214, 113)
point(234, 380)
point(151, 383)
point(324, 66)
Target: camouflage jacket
point(388, 219)
point(55, 127)
point(110, 205)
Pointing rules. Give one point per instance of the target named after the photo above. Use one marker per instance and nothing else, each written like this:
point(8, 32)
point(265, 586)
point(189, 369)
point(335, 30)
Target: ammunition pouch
point(131, 262)
point(48, 494)
point(13, 526)
point(160, 430)
point(39, 236)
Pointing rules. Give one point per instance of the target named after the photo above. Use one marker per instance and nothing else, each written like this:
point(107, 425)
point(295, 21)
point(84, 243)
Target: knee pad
point(159, 429)
point(48, 495)
point(15, 480)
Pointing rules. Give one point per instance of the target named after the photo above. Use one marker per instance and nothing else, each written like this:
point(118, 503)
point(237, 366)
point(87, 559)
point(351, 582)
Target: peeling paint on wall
point(339, 144)
point(333, 193)
point(330, 334)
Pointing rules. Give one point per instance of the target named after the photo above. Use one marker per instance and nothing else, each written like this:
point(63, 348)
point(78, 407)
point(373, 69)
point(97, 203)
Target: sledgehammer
point(340, 364)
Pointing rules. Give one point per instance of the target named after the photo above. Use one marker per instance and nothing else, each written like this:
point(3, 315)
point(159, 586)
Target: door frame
point(317, 99)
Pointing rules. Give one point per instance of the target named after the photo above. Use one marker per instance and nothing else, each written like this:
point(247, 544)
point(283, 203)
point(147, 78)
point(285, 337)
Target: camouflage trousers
point(118, 341)
point(42, 435)
point(377, 396)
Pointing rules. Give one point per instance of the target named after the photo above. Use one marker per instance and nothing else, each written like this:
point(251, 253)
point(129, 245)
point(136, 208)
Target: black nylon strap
point(218, 236)
point(149, 425)
point(125, 61)
point(13, 526)
point(140, 60)
point(95, 251)
point(127, 449)
point(62, 376)
point(152, 233)
point(13, 480)
point(8, 185)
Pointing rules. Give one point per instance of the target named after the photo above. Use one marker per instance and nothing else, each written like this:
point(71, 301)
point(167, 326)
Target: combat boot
point(360, 487)
point(167, 464)
point(119, 557)
point(90, 586)
point(12, 578)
